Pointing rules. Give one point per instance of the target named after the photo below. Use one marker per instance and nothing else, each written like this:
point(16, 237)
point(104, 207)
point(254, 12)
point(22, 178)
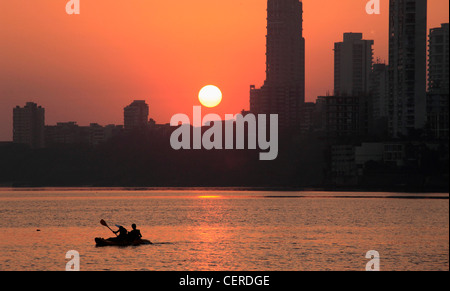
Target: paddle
point(102, 222)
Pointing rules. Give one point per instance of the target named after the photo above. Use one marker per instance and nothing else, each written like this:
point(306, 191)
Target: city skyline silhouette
point(364, 134)
point(96, 98)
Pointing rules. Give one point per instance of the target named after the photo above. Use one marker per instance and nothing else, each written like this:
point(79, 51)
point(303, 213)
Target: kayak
point(101, 242)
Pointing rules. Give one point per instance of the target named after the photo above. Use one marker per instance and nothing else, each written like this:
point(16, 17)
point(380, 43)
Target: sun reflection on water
point(209, 197)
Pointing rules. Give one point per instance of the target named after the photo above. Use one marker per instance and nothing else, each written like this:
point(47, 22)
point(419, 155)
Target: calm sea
point(197, 230)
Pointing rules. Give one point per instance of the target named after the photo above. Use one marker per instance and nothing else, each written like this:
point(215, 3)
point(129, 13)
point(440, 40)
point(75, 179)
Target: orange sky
point(87, 67)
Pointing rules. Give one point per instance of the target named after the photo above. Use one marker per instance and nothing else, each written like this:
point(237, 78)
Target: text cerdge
point(212, 138)
point(227, 281)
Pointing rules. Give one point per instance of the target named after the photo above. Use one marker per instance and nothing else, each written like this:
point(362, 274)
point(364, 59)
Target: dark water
point(224, 230)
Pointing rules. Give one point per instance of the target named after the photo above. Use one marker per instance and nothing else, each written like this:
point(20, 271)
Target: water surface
point(196, 230)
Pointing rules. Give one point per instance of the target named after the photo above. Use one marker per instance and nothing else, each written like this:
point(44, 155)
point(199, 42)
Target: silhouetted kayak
point(101, 242)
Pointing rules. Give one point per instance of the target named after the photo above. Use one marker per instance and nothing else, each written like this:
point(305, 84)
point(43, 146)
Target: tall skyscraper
point(283, 92)
point(407, 66)
point(438, 87)
point(352, 65)
point(29, 125)
point(378, 101)
point(136, 115)
point(379, 91)
point(438, 60)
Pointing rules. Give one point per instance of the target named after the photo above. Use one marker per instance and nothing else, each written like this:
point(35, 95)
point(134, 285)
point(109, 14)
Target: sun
point(210, 96)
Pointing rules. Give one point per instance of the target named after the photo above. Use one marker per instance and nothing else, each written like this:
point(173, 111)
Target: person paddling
point(123, 233)
point(134, 234)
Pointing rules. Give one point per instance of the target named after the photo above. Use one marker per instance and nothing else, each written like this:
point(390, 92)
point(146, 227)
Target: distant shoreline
point(230, 189)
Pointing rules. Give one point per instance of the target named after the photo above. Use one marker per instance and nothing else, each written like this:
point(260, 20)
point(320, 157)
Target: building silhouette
point(346, 113)
point(136, 115)
point(66, 133)
point(345, 117)
point(28, 125)
point(438, 79)
point(379, 100)
point(407, 66)
point(352, 65)
point(70, 133)
point(283, 92)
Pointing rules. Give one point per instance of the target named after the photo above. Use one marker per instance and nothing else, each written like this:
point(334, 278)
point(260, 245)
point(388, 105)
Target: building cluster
point(375, 107)
point(370, 98)
point(29, 127)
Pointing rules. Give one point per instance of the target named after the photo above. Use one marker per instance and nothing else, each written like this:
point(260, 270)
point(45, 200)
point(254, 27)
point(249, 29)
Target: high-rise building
point(407, 66)
point(438, 60)
point(283, 92)
point(352, 65)
point(136, 115)
point(346, 112)
point(379, 91)
point(378, 101)
point(28, 125)
point(438, 87)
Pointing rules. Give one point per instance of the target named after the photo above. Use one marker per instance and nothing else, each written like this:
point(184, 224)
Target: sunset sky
point(87, 67)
